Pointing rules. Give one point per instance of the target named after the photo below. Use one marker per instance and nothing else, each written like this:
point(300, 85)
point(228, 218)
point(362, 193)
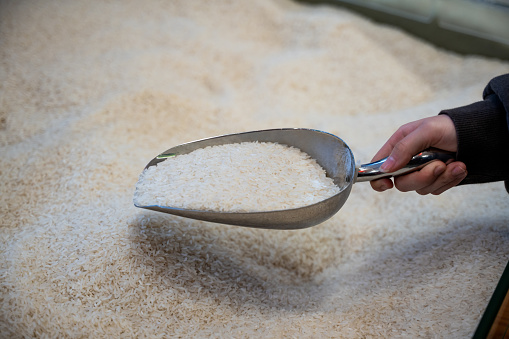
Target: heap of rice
point(88, 91)
point(241, 177)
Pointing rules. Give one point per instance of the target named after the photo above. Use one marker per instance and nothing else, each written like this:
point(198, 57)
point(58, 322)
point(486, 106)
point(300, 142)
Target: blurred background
point(464, 26)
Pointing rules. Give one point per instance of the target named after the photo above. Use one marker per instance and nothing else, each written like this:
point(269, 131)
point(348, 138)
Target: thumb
point(404, 150)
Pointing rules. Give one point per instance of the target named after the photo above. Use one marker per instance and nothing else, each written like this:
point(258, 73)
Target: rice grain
point(242, 177)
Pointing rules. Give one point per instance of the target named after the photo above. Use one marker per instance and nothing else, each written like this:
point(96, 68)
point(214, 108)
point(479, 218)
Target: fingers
point(434, 178)
point(381, 185)
point(451, 177)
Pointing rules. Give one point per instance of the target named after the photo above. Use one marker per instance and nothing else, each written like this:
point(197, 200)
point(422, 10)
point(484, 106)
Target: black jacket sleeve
point(483, 134)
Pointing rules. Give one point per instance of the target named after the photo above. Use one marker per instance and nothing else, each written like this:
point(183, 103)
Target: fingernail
point(458, 171)
point(383, 188)
point(387, 165)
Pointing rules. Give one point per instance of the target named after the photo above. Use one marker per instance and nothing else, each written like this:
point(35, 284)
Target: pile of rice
point(241, 177)
point(88, 91)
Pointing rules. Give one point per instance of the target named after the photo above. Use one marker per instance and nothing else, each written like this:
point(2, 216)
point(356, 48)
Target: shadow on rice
point(194, 257)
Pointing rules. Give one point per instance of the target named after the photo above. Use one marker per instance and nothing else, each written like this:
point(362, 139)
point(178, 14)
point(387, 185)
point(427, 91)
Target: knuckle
point(401, 147)
point(406, 129)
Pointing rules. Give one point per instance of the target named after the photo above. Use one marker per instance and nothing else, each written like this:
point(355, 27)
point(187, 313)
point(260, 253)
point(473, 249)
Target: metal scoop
point(332, 153)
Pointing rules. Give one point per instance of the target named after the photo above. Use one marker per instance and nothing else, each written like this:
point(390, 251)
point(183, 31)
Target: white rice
point(241, 177)
point(88, 91)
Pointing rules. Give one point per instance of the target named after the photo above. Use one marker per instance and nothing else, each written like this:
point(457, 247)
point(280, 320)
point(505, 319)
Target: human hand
point(410, 139)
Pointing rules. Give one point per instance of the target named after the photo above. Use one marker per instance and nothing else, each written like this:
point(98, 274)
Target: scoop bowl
point(327, 149)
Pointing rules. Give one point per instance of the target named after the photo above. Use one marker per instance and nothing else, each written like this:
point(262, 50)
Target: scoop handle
point(372, 170)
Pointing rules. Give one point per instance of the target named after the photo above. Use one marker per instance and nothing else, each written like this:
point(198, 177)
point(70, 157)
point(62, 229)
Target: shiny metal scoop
point(332, 153)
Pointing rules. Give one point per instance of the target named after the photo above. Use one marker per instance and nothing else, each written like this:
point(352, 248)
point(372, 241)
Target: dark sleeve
point(483, 134)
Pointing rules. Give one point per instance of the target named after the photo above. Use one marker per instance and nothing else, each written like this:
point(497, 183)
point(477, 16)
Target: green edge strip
point(493, 306)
